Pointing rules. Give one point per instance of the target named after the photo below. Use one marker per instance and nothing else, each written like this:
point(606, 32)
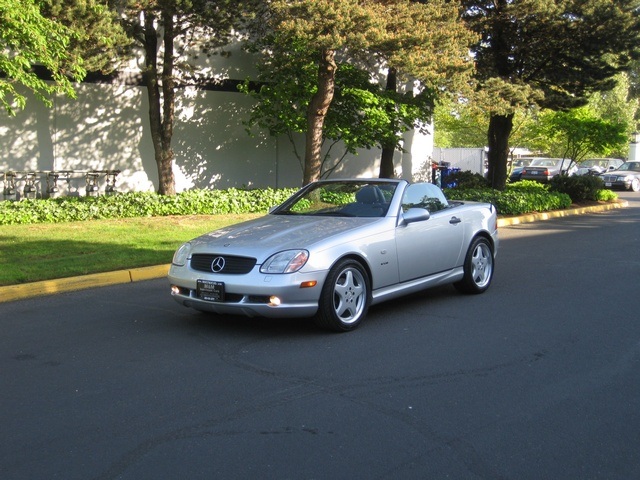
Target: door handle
point(455, 220)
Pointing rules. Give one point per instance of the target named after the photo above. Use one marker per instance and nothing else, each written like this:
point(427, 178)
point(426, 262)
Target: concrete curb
point(536, 217)
point(50, 287)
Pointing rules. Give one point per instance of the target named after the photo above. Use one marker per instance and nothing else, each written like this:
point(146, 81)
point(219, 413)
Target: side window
point(424, 195)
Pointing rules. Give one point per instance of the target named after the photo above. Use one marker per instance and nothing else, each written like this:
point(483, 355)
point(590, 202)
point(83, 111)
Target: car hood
point(621, 173)
point(265, 235)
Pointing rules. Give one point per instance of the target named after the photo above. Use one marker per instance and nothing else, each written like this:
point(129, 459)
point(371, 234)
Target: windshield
point(630, 166)
point(594, 163)
point(342, 199)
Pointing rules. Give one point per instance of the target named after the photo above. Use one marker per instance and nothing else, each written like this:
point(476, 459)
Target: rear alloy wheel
point(635, 185)
point(478, 267)
point(345, 297)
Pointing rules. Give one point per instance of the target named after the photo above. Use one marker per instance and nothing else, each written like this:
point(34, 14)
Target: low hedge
point(517, 198)
point(141, 204)
point(582, 188)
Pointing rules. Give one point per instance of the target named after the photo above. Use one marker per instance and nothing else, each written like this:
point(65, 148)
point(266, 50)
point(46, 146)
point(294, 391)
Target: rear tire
point(345, 297)
point(478, 267)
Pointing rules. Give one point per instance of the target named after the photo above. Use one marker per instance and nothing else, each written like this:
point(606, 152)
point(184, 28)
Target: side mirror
point(416, 215)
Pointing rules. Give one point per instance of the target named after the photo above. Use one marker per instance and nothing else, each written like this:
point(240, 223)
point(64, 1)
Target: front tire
point(478, 267)
point(345, 297)
point(635, 185)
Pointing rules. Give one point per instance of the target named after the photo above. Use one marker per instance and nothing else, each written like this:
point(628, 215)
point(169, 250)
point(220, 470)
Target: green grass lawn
point(29, 253)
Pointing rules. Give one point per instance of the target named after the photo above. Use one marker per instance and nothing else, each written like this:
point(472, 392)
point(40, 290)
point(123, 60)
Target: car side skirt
point(416, 285)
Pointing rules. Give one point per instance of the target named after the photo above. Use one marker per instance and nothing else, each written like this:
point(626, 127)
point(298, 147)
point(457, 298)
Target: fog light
point(309, 284)
point(274, 301)
point(175, 290)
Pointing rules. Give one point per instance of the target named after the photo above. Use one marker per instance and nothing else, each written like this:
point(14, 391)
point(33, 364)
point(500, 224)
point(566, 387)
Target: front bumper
point(618, 185)
point(253, 294)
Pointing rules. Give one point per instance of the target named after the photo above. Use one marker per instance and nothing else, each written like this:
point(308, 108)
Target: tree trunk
point(161, 108)
point(500, 127)
point(316, 114)
point(389, 148)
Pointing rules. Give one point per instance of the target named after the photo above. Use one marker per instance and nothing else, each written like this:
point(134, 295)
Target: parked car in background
point(544, 169)
point(335, 248)
point(625, 177)
point(516, 168)
point(597, 166)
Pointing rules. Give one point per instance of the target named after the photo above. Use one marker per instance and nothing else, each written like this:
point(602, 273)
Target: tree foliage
point(98, 37)
point(361, 113)
point(28, 38)
point(319, 38)
point(547, 53)
point(580, 133)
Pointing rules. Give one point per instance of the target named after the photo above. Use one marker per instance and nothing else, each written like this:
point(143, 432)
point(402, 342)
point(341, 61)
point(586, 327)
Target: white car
point(597, 166)
point(544, 169)
point(335, 248)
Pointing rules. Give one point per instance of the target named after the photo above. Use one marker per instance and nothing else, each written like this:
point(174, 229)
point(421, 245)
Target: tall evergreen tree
point(98, 37)
point(550, 53)
point(423, 40)
point(409, 39)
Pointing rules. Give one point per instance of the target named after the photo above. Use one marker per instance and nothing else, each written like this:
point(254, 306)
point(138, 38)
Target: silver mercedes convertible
point(335, 248)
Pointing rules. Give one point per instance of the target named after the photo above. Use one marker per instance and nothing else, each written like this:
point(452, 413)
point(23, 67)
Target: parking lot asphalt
point(50, 287)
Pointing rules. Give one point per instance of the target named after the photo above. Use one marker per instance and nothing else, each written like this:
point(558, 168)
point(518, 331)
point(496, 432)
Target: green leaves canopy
point(424, 42)
point(27, 38)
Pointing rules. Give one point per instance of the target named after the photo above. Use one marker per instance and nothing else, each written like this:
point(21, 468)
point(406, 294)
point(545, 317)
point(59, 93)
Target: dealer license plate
point(210, 291)
point(607, 184)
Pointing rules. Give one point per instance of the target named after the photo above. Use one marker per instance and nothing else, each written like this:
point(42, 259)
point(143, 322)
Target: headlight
point(288, 261)
point(181, 255)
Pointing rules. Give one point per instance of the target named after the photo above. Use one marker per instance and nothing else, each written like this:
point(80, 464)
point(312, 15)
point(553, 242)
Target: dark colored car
point(626, 177)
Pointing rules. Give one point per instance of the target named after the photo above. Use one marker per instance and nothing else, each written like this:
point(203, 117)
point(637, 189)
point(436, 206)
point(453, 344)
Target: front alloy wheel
point(345, 297)
point(478, 267)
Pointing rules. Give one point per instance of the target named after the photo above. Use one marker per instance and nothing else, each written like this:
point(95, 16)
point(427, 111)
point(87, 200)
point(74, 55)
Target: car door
point(428, 246)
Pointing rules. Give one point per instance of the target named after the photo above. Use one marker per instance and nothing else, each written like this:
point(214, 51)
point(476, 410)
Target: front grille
point(609, 178)
point(232, 265)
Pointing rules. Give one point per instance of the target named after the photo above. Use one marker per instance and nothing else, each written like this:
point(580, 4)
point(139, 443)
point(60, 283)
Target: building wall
point(107, 128)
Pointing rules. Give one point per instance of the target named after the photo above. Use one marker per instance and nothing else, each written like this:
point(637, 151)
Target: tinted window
point(424, 195)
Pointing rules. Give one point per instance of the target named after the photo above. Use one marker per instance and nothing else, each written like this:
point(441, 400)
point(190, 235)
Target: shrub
point(580, 188)
point(515, 200)
point(464, 180)
point(607, 196)
point(518, 198)
point(141, 204)
point(528, 186)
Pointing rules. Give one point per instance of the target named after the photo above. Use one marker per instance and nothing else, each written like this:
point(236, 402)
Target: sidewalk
point(49, 287)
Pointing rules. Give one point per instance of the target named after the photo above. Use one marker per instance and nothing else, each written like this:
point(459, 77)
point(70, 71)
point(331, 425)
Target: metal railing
point(19, 184)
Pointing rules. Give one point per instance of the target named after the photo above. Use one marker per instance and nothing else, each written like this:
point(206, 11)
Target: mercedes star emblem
point(217, 265)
